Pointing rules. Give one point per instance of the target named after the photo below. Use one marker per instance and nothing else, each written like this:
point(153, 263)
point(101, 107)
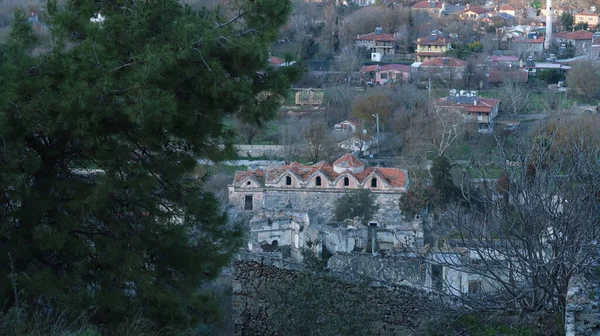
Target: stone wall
point(583, 305)
point(320, 204)
point(399, 310)
point(393, 269)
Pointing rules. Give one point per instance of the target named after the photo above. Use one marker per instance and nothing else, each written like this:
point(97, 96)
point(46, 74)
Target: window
point(248, 183)
point(288, 180)
point(383, 75)
point(346, 181)
point(248, 202)
point(373, 183)
point(318, 181)
point(474, 287)
point(373, 224)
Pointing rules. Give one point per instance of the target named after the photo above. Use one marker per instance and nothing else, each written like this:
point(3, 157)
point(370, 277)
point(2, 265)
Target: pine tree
point(139, 97)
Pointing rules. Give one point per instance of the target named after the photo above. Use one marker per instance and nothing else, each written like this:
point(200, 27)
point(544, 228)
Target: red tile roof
point(348, 161)
point(443, 61)
point(476, 10)
point(576, 35)
point(386, 67)
point(586, 14)
point(507, 8)
point(484, 105)
point(257, 174)
point(276, 60)
point(440, 40)
point(393, 176)
point(426, 5)
point(377, 37)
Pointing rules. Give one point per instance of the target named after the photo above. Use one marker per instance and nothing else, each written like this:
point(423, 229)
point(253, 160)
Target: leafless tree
point(522, 252)
point(514, 97)
point(318, 140)
point(347, 62)
point(438, 129)
point(290, 136)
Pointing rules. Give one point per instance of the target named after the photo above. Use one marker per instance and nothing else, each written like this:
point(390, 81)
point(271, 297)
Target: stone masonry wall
point(399, 309)
point(320, 204)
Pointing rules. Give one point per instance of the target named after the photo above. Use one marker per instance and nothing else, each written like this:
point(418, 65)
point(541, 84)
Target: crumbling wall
point(320, 204)
point(399, 310)
point(583, 309)
point(392, 269)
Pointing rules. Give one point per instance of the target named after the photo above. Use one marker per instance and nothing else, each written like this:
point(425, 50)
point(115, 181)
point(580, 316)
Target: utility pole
point(376, 116)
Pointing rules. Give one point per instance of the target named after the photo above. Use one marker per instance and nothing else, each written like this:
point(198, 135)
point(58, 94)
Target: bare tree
point(514, 97)
point(442, 126)
point(347, 63)
point(522, 252)
point(319, 141)
point(290, 136)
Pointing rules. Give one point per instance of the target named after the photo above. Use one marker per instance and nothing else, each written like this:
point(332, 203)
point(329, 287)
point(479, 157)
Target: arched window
point(318, 181)
point(248, 183)
point(288, 180)
point(373, 183)
point(346, 181)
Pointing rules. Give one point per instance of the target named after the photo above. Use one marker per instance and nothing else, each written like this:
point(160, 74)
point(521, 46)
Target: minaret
point(548, 38)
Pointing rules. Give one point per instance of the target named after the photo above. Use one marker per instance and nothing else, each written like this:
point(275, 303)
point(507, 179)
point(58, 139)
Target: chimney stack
point(548, 37)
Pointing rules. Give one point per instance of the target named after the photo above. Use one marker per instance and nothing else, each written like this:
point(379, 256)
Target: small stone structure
point(309, 97)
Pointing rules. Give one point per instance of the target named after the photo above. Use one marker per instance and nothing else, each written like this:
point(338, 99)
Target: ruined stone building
point(294, 203)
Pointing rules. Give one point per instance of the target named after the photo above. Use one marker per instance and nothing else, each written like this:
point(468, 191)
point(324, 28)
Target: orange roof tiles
point(348, 161)
point(426, 5)
point(576, 35)
point(443, 61)
point(377, 37)
point(393, 176)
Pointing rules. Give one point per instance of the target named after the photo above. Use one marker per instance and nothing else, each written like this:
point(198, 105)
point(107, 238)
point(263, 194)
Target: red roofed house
point(431, 7)
point(349, 125)
point(434, 45)
point(508, 9)
point(473, 13)
point(279, 62)
point(581, 40)
point(384, 74)
point(482, 111)
point(377, 42)
point(314, 188)
point(590, 18)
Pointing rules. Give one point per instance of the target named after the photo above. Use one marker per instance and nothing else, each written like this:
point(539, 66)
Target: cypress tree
point(139, 98)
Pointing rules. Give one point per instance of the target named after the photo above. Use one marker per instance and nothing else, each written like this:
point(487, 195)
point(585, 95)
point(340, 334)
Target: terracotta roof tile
point(377, 37)
point(443, 61)
point(426, 5)
point(348, 161)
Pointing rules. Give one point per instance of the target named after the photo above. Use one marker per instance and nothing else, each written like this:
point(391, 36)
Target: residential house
point(581, 40)
point(433, 8)
point(527, 45)
point(377, 42)
point(349, 125)
point(481, 111)
point(443, 68)
point(590, 18)
point(508, 9)
point(384, 74)
point(434, 45)
point(473, 13)
point(557, 11)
